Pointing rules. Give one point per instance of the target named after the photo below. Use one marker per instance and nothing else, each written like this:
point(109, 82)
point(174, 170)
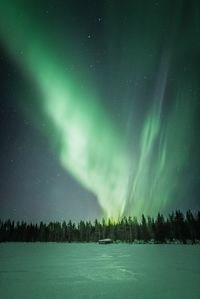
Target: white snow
point(53, 270)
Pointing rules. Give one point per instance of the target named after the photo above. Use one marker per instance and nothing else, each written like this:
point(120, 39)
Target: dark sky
point(99, 108)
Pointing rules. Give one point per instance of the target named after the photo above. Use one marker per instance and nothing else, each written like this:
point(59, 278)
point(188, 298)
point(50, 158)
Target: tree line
point(177, 227)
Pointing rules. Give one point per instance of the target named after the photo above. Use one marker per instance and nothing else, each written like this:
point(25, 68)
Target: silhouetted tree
point(160, 229)
point(174, 228)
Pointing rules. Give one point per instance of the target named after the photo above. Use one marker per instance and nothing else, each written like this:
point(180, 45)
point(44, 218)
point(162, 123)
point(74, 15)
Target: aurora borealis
point(117, 86)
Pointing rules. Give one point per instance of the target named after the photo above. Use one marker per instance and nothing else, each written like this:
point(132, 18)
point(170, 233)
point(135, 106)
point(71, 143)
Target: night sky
point(99, 108)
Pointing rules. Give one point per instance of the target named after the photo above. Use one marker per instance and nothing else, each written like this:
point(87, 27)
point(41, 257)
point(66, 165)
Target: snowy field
point(52, 270)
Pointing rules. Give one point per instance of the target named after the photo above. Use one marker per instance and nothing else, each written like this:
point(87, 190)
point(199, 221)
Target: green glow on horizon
point(90, 145)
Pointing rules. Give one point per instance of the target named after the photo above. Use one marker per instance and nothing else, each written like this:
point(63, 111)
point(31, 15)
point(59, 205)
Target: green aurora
point(131, 171)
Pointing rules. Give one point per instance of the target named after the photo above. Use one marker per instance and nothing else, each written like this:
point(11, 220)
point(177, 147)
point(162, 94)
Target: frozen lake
point(53, 270)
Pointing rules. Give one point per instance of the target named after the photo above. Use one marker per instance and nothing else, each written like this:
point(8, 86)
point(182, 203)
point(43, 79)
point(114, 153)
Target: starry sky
point(99, 108)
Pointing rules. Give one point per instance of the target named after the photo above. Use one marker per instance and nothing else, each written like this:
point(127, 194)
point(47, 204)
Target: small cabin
point(106, 241)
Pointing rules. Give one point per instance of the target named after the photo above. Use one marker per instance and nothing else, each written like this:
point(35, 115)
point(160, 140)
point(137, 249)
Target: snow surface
point(53, 270)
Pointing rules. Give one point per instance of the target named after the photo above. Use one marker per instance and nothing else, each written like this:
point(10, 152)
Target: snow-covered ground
point(50, 270)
